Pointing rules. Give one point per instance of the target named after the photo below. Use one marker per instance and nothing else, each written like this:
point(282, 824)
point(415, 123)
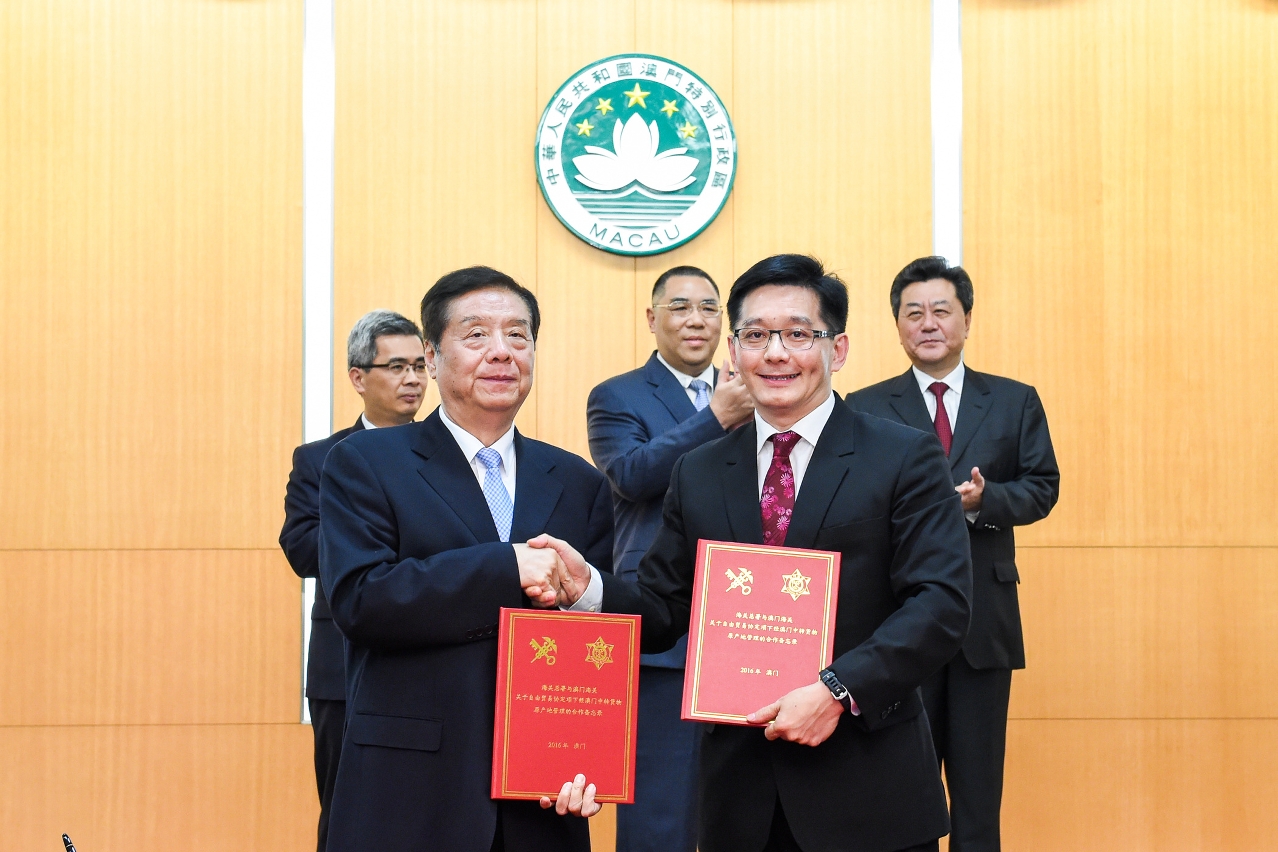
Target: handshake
point(551, 572)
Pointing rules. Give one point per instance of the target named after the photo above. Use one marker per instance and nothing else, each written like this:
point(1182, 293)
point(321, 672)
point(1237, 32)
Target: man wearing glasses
point(845, 762)
point(639, 424)
point(387, 366)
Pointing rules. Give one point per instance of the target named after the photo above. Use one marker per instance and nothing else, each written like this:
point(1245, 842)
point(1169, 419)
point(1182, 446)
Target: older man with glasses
point(387, 367)
point(639, 424)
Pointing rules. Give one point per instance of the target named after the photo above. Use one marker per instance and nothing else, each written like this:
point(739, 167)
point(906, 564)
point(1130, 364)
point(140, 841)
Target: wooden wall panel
point(1148, 633)
point(149, 220)
point(1141, 785)
point(1121, 191)
point(148, 637)
point(831, 113)
point(204, 788)
point(434, 145)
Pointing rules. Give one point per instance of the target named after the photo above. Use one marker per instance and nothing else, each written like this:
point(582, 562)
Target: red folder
point(567, 702)
point(762, 624)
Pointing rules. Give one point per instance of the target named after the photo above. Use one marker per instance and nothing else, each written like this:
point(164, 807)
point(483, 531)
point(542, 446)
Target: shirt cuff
point(591, 599)
point(971, 516)
point(856, 711)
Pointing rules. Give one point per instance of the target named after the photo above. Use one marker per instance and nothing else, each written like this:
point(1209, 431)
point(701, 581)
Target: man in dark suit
point(845, 762)
point(995, 432)
point(387, 367)
point(422, 541)
point(639, 424)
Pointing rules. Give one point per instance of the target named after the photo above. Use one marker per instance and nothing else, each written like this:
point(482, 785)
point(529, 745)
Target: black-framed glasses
point(682, 308)
point(752, 337)
point(398, 368)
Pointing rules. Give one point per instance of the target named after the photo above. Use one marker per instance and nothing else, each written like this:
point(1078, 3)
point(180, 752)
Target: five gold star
point(637, 97)
point(670, 108)
point(687, 131)
point(605, 106)
point(584, 128)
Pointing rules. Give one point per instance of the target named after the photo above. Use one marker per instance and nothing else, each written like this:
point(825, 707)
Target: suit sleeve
point(638, 465)
point(387, 603)
point(597, 549)
point(299, 537)
point(931, 575)
point(663, 595)
point(1033, 492)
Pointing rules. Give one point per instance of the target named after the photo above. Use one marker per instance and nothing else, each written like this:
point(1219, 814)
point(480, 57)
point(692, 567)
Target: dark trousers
point(781, 840)
point(664, 815)
point(328, 720)
point(967, 709)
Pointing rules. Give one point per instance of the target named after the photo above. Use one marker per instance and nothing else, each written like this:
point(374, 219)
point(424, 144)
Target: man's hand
point(731, 402)
point(807, 715)
point(539, 574)
point(573, 573)
point(971, 491)
point(576, 797)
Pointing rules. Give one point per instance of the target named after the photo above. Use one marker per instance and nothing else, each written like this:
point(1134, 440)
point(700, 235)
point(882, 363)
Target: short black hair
point(456, 284)
point(927, 269)
point(691, 271)
point(794, 270)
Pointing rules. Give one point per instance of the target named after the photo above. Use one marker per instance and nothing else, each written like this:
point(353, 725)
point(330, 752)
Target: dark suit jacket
point(880, 494)
point(639, 424)
point(1000, 428)
point(416, 574)
point(325, 675)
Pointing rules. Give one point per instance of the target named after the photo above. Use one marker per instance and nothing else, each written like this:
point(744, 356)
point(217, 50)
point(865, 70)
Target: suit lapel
point(741, 486)
point(448, 472)
point(907, 402)
point(826, 471)
point(974, 404)
point(667, 390)
point(536, 491)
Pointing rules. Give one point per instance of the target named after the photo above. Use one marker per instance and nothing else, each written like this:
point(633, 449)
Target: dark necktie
point(777, 502)
point(942, 422)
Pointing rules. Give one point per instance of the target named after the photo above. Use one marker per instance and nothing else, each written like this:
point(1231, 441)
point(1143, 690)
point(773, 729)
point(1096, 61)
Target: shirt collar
point(707, 375)
point(809, 428)
point(954, 380)
point(368, 424)
point(470, 445)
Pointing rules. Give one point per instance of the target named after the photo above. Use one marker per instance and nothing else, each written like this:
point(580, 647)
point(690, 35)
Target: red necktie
point(942, 421)
point(777, 502)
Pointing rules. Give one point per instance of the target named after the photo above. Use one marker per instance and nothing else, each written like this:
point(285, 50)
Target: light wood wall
point(150, 292)
point(1121, 191)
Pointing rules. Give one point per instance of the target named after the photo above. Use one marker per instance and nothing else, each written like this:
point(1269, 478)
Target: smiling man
point(639, 424)
point(845, 762)
point(1000, 456)
point(422, 540)
point(387, 367)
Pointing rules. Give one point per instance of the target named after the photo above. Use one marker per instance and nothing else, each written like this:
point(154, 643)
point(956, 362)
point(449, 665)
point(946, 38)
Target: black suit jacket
point(639, 424)
point(416, 574)
point(879, 494)
point(1000, 428)
point(325, 671)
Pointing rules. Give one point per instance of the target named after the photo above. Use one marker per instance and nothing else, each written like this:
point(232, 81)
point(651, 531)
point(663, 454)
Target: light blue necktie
point(702, 390)
point(495, 492)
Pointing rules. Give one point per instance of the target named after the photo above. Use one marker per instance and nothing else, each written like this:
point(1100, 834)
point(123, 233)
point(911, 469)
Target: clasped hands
point(551, 571)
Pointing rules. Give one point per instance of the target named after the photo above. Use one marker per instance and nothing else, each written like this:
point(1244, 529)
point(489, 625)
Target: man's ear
point(357, 379)
point(652, 320)
point(430, 359)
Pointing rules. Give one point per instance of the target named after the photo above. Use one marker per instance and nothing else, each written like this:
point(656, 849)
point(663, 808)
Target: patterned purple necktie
point(777, 502)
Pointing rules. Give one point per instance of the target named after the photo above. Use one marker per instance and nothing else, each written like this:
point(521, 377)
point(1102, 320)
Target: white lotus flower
point(635, 158)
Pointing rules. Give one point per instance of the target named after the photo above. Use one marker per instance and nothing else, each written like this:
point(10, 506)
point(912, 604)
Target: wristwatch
point(837, 689)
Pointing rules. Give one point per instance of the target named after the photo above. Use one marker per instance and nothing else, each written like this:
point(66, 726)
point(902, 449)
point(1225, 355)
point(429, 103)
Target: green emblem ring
point(635, 154)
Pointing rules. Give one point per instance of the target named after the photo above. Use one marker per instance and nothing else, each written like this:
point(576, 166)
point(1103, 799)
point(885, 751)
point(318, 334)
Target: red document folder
point(762, 624)
point(567, 702)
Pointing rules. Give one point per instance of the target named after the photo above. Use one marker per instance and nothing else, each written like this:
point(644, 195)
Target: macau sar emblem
point(635, 154)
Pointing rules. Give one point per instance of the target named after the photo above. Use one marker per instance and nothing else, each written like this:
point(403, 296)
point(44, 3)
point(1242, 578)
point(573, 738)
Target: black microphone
point(66, 841)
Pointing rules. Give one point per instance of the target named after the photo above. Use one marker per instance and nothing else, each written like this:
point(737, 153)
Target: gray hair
point(361, 345)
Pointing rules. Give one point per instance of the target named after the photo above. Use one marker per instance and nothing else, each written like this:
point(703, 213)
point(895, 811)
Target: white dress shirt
point(707, 376)
point(470, 447)
point(368, 424)
point(952, 397)
point(809, 430)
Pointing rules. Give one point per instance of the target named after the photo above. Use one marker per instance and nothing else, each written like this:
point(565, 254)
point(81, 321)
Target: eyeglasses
point(791, 338)
point(681, 309)
point(398, 368)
